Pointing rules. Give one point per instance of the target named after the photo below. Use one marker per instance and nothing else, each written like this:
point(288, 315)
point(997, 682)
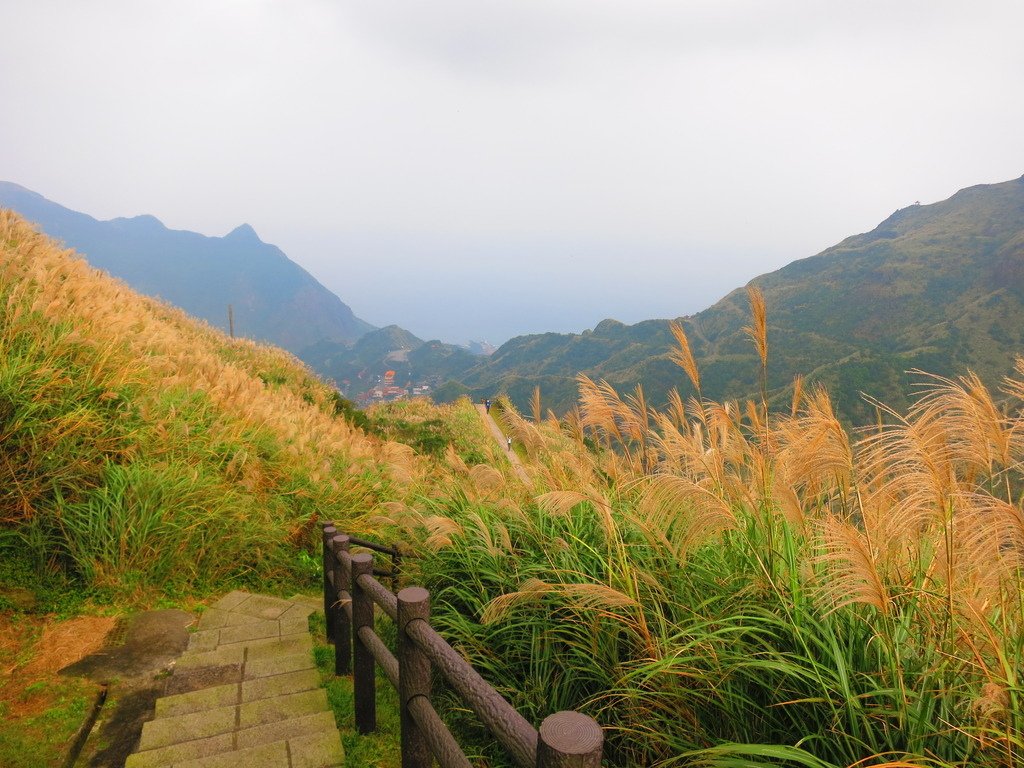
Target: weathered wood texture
point(565, 739)
point(363, 678)
point(413, 676)
point(339, 617)
point(329, 585)
point(569, 740)
point(500, 717)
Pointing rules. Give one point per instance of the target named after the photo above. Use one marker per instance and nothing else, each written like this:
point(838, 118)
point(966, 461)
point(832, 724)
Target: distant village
point(386, 390)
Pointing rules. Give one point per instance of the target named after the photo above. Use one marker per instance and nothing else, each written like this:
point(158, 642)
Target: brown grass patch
point(67, 642)
point(15, 638)
point(23, 688)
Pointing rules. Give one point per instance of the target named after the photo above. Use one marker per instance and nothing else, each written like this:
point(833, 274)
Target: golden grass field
point(716, 583)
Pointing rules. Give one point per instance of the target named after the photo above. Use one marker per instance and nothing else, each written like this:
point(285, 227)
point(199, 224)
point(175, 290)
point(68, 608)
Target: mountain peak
point(144, 222)
point(273, 299)
point(12, 187)
point(243, 232)
point(607, 326)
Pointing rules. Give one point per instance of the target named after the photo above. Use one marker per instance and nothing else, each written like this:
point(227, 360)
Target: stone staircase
point(245, 693)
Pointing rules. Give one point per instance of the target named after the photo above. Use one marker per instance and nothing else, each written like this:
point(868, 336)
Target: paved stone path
point(245, 693)
point(498, 435)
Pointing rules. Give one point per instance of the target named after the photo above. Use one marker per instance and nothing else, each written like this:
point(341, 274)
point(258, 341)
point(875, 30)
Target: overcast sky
point(474, 169)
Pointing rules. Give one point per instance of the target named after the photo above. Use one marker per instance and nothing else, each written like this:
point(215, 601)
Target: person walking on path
point(487, 405)
point(499, 437)
point(509, 441)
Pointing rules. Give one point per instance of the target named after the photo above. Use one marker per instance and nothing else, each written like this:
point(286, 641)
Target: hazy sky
point(475, 169)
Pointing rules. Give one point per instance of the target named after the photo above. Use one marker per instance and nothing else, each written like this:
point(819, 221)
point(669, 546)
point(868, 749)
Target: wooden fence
point(564, 740)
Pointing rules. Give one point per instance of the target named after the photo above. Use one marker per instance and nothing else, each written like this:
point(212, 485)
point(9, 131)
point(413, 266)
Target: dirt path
point(495, 430)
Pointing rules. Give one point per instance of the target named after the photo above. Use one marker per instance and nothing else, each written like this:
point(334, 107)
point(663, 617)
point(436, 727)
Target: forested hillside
point(938, 287)
point(355, 367)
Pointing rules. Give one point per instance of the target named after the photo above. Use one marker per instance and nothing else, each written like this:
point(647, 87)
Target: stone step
point(237, 693)
point(245, 693)
point(212, 722)
point(311, 741)
point(221, 654)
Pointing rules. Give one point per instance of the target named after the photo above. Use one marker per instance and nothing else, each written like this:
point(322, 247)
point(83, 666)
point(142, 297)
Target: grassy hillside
point(146, 459)
point(936, 287)
point(143, 450)
point(716, 585)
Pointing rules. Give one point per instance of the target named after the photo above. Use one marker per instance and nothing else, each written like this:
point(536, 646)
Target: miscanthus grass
point(143, 452)
point(717, 584)
point(722, 586)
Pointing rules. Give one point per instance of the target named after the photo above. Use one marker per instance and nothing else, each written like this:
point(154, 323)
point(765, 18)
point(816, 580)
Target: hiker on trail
point(487, 406)
point(509, 441)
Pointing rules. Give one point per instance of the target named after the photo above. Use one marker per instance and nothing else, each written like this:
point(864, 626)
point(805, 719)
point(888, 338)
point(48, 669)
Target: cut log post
point(339, 616)
point(328, 567)
point(569, 740)
point(363, 678)
point(413, 676)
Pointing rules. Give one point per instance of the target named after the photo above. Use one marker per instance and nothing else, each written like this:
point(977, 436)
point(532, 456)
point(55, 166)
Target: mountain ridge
point(272, 298)
point(937, 287)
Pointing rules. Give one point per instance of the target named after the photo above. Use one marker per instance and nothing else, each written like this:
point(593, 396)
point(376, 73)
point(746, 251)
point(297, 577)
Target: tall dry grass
point(721, 585)
point(140, 447)
point(716, 583)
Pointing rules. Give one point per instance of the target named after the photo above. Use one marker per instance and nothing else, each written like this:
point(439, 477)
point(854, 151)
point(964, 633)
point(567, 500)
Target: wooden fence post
point(328, 531)
point(342, 625)
point(569, 740)
point(396, 567)
point(413, 676)
point(363, 677)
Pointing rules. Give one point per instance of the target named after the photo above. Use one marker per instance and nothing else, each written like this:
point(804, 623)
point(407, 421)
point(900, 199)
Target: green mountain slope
point(354, 368)
point(272, 298)
point(938, 287)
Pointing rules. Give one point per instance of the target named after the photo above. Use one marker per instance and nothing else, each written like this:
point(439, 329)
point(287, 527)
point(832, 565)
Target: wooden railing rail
point(564, 740)
point(392, 552)
point(384, 549)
